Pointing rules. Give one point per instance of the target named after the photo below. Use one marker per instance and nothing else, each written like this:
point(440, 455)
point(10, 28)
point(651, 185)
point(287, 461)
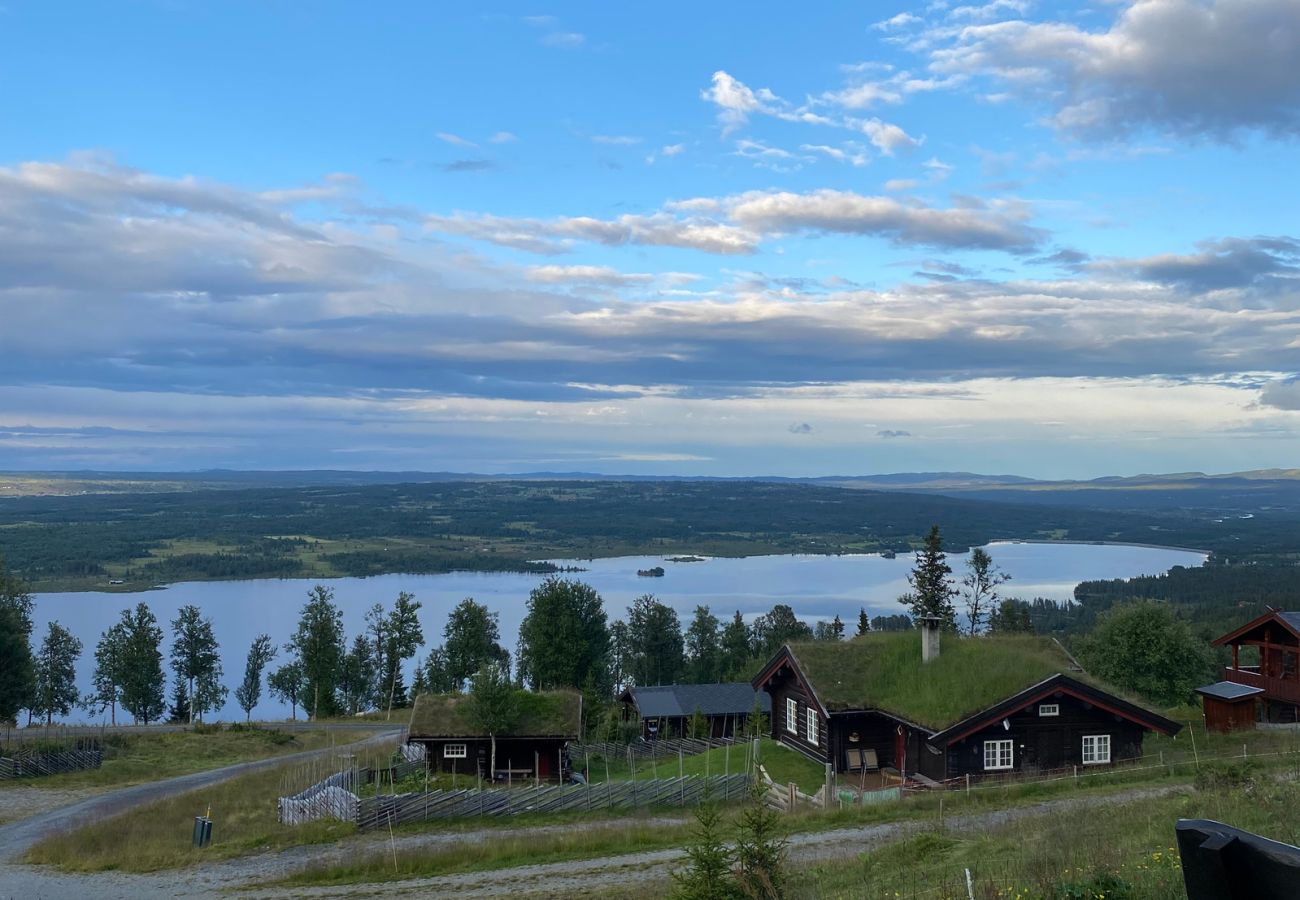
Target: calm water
point(816, 586)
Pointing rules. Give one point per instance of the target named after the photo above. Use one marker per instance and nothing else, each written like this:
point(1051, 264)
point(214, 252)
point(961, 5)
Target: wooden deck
point(1286, 689)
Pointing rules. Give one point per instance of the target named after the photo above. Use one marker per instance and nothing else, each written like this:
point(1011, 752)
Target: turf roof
point(541, 714)
point(885, 672)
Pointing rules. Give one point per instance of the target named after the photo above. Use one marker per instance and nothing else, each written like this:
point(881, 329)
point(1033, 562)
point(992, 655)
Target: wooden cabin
point(1266, 656)
point(535, 747)
point(983, 706)
point(667, 710)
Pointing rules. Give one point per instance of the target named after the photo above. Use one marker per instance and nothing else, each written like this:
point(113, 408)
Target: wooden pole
point(537, 769)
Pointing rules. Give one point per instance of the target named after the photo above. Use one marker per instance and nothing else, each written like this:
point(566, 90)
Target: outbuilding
point(535, 746)
point(667, 710)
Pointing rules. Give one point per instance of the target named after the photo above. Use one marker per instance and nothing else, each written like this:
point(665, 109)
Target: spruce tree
point(932, 590)
point(864, 622)
point(708, 874)
point(760, 851)
point(179, 712)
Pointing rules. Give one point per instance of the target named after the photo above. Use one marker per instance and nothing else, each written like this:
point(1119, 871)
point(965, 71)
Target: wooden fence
point(686, 791)
point(647, 749)
point(38, 763)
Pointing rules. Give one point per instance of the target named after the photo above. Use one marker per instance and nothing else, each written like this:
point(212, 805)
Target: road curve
point(17, 837)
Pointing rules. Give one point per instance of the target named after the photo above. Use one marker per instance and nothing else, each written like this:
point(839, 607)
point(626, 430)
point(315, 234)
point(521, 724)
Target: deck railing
point(1287, 689)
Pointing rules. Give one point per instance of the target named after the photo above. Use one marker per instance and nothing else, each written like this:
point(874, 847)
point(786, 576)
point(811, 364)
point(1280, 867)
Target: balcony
point(1287, 689)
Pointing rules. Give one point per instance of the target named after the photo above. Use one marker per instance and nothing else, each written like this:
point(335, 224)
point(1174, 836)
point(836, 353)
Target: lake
point(818, 587)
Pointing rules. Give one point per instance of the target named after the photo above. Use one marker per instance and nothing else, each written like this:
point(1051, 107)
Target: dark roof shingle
point(1229, 690)
point(669, 700)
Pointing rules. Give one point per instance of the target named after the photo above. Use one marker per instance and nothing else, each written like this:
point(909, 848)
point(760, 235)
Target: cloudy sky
point(1055, 239)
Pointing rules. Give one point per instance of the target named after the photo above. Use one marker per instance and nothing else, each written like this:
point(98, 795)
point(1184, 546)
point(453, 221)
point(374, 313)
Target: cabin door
point(900, 748)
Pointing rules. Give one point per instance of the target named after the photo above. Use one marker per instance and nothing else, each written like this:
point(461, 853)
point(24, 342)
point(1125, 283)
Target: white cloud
point(455, 139)
point(503, 137)
point(673, 149)
point(888, 138)
point(1193, 68)
point(901, 20)
point(615, 140)
point(597, 275)
point(564, 40)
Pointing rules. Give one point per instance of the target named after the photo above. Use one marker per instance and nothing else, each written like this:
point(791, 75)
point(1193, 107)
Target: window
point(998, 754)
point(791, 715)
point(1049, 709)
point(1096, 749)
point(453, 751)
point(812, 725)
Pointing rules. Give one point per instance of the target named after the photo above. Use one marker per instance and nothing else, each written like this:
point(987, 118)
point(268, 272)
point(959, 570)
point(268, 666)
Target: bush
point(1106, 885)
point(1225, 776)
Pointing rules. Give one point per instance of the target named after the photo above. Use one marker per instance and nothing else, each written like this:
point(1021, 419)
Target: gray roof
point(1229, 690)
point(1292, 619)
point(711, 699)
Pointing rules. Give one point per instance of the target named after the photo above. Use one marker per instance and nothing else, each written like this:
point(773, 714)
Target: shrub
point(1224, 776)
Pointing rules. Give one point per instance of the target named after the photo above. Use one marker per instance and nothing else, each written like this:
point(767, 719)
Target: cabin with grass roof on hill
point(534, 747)
point(985, 706)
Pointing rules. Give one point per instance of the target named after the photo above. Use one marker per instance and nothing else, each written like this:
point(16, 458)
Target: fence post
point(828, 787)
point(968, 784)
point(537, 769)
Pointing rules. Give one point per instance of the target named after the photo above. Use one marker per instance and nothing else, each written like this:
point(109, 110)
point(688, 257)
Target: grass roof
point(885, 672)
point(541, 714)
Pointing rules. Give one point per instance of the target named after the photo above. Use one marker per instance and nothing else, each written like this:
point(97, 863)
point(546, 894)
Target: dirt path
point(17, 880)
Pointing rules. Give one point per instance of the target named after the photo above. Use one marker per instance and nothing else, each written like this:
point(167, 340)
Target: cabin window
point(453, 751)
point(812, 726)
point(1049, 709)
point(1096, 749)
point(791, 715)
point(998, 754)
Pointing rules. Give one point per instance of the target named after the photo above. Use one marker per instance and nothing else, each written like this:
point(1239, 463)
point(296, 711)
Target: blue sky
point(1057, 239)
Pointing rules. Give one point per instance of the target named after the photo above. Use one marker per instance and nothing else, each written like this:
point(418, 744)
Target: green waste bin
point(202, 831)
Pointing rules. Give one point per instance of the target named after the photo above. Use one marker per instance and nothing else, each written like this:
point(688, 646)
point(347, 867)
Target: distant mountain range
point(90, 481)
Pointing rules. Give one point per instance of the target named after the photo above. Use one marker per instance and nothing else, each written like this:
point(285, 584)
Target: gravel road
point(17, 880)
point(239, 877)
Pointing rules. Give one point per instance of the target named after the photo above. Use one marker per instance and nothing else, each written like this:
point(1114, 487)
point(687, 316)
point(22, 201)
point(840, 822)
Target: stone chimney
point(930, 628)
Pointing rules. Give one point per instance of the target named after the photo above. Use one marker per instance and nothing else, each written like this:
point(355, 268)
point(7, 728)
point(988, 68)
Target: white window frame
point(455, 751)
point(1100, 744)
point(813, 735)
point(997, 751)
point(1049, 709)
point(791, 715)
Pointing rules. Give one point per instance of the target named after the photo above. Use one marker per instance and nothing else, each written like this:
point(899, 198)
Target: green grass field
point(135, 758)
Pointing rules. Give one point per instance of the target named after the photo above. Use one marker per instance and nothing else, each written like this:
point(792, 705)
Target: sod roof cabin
point(534, 746)
point(982, 706)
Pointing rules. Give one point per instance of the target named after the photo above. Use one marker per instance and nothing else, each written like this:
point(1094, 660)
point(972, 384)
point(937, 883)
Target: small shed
point(666, 710)
point(1229, 706)
point(535, 747)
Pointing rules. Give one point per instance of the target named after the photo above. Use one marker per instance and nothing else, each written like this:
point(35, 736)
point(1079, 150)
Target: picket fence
point(36, 763)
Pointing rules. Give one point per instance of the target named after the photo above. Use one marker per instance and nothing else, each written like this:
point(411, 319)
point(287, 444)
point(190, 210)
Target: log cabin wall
point(783, 686)
point(1047, 742)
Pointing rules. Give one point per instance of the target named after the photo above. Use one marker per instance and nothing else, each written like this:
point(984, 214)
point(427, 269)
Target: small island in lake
point(656, 572)
point(686, 559)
